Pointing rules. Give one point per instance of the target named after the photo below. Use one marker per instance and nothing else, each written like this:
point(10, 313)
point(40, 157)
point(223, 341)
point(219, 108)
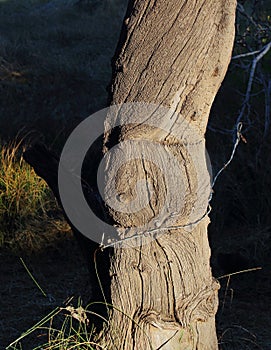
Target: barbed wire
point(236, 131)
point(153, 232)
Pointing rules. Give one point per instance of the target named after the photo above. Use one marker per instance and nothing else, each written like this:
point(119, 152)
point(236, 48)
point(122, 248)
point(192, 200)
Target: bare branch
point(267, 107)
point(238, 138)
point(241, 9)
point(256, 60)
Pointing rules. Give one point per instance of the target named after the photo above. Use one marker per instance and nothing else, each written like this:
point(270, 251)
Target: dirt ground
point(60, 272)
point(244, 317)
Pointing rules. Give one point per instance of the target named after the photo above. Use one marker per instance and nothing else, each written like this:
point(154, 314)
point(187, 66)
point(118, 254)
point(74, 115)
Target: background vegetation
point(54, 72)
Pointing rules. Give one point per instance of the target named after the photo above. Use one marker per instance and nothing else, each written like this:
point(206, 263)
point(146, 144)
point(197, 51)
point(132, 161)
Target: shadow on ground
point(243, 319)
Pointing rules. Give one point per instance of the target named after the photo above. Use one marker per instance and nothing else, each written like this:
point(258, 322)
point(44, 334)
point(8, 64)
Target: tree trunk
point(175, 54)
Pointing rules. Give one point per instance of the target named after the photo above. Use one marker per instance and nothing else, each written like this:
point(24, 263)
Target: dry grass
point(65, 327)
point(25, 202)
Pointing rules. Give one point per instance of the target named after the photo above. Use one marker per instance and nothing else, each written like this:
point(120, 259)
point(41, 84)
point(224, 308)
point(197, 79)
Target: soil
point(243, 320)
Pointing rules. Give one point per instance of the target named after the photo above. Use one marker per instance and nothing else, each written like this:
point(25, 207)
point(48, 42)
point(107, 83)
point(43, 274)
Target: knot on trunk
point(199, 306)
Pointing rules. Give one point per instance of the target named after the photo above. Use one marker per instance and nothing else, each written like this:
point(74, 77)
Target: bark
point(173, 53)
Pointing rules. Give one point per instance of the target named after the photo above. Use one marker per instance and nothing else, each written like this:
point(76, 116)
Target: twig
point(267, 107)
point(242, 55)
point(238, 138)
point(33, 278)
point(241, 9)
point(238, 272)
point(261, 54)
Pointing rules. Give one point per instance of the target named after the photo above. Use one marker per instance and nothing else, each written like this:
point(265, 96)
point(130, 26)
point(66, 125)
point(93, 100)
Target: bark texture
point(173, 53)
